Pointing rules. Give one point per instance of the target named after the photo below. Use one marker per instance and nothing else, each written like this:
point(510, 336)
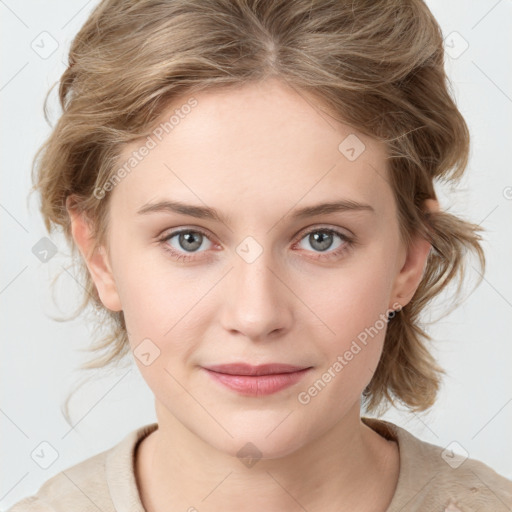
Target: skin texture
point(256, 154)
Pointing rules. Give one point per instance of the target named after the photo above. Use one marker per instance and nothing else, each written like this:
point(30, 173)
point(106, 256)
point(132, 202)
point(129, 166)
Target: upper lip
point(248, 369)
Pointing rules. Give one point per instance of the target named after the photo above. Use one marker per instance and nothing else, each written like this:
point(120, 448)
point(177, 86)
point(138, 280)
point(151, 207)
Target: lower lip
point(258, 385)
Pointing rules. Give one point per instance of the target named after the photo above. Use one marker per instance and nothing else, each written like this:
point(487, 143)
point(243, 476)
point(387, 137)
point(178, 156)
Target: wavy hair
point(375, 65)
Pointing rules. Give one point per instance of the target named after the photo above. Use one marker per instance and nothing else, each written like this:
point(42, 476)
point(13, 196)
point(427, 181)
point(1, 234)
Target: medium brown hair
point(375, 65)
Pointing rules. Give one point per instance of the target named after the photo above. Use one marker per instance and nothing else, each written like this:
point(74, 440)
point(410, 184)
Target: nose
point(257, 304)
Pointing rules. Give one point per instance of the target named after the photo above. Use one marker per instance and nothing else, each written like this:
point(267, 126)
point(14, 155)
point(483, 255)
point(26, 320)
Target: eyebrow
point(205, 212)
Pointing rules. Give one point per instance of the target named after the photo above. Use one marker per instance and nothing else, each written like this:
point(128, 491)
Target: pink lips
point(256, 380)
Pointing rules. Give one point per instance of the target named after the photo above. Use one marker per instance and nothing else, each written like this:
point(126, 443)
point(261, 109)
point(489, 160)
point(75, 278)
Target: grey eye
point(321, 240)
point(188, 241)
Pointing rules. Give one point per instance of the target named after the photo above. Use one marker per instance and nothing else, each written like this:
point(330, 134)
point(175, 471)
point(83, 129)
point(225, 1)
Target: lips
point(262, 369)
point(256, 381)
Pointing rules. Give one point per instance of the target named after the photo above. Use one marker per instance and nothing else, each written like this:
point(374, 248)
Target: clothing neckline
point(122, 484)
point(124, 490)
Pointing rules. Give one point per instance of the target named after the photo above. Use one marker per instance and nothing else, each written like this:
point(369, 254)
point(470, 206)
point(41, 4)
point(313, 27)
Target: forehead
point(262, 146)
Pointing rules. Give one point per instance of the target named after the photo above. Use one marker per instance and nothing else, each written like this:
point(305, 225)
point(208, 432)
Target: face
point(267, 278)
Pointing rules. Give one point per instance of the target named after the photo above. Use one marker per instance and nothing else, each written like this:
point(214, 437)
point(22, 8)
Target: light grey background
point(39, 355)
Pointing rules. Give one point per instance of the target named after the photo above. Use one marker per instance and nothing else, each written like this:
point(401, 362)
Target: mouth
point(249, 380)
point(248, 369)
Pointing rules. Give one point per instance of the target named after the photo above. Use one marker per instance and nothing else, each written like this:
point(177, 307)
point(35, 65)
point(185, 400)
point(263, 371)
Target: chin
point(263, 440)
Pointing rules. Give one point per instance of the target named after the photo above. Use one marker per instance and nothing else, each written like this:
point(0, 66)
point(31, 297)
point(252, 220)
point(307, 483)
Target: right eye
point(184, 243)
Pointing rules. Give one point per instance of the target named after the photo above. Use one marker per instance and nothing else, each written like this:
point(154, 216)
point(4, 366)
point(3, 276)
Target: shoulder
point(432, 477)
point(92, 484)
point(79, 486)
point(471, 485)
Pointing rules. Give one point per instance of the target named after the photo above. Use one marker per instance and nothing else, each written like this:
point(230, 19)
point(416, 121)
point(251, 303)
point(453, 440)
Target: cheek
point(157, 306)
point(166, 310)
point(352, 300)
point(154, 292)
point(353, 304)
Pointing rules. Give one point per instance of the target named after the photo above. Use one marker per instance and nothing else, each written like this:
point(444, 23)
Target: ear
point(409, 277)
point(96, 260)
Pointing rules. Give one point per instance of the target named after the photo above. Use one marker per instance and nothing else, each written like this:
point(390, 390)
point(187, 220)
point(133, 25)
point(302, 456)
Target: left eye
point(323, 239)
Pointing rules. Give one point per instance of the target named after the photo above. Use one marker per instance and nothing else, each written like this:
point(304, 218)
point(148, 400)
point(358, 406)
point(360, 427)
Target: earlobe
point(96, 260)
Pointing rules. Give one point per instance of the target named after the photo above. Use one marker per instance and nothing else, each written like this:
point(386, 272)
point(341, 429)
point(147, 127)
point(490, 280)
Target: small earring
point(392, 314)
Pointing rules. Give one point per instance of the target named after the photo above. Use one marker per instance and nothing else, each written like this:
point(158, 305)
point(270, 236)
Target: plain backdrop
point(39, 356)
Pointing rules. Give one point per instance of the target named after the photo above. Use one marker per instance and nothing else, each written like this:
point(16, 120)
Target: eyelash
point(349, 242)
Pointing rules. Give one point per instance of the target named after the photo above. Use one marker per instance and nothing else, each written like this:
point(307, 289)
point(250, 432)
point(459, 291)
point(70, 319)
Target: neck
point(346, 468)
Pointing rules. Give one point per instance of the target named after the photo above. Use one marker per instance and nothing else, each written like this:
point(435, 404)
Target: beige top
point(430, 479)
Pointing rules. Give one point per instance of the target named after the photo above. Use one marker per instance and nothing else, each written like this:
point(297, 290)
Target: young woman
point(250, 187)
